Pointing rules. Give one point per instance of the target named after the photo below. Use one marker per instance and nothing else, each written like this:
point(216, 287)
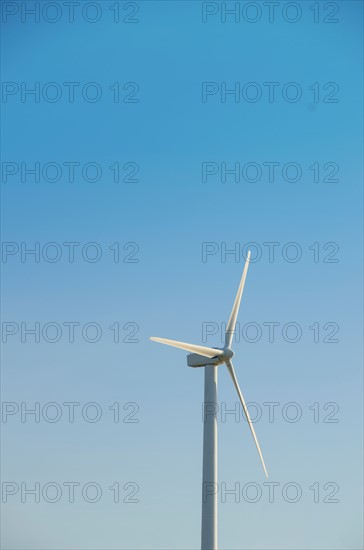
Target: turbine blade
point(233, 376)
point(201, 350)
point(230, 329)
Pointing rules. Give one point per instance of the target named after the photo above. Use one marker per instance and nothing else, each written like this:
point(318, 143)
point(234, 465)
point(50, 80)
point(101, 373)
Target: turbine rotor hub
point(228, 353)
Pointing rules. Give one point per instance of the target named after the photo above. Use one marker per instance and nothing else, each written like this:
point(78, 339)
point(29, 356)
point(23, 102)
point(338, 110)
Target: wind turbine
point(211, 358)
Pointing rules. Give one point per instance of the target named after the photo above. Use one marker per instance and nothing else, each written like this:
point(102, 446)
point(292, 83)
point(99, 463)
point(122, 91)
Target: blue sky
point(169, 215)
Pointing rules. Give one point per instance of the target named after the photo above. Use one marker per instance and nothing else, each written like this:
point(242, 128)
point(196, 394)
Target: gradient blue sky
point(170, 291)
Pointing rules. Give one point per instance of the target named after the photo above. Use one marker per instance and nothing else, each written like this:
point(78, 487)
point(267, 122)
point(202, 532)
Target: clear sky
point(139, 167)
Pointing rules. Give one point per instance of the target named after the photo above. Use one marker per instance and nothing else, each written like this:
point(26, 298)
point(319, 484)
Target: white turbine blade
point(201, 350)
point(233, 376)
point(230, 329)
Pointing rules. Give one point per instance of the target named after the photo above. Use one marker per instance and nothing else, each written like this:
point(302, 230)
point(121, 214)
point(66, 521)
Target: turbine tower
point(210, 359)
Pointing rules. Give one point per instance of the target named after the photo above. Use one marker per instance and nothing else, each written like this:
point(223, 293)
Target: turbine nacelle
point(196, 360)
